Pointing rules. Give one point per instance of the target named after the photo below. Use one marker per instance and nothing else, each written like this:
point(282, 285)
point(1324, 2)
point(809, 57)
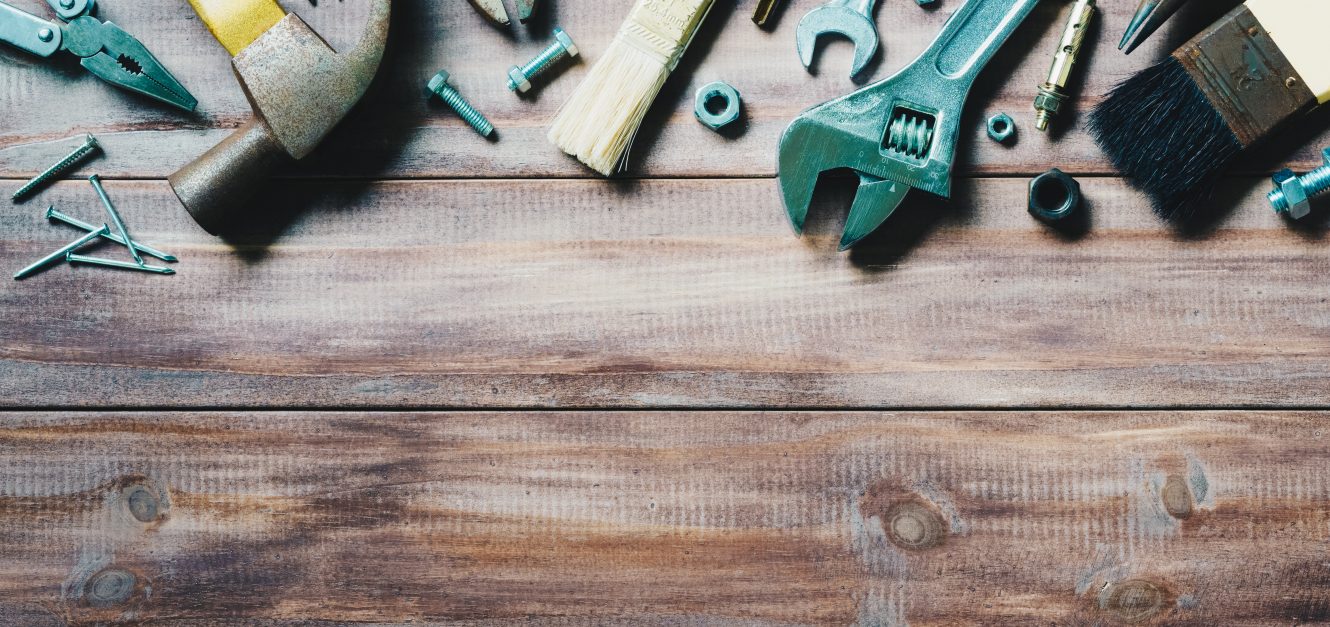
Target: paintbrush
point(1174, 128)
point(600, 119)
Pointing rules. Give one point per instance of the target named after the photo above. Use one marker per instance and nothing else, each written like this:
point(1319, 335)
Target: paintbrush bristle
point(1160, 130)
point(598, 122)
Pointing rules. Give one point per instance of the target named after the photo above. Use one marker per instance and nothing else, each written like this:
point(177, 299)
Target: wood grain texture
point(1195, 518)
point(666, 293)
point(397, 133)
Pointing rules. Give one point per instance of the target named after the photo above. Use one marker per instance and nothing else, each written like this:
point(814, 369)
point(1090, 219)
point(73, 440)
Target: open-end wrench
point(850, 18)
point(899, 133)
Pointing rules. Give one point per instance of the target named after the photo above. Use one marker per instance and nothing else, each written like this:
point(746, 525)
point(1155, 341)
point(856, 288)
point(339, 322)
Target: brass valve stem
point(1053, 93)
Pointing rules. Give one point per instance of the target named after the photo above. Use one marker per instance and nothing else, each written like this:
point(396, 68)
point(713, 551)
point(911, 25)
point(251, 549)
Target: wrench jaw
point(840, 20)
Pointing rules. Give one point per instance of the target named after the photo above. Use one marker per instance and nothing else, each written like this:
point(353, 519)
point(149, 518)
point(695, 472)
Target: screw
point(52, 214)
point(1292, 194)
point(89, 146)
point(111, 263)
point(61, 254)
point(439, 86)
point(519, 78)
point(115, 215)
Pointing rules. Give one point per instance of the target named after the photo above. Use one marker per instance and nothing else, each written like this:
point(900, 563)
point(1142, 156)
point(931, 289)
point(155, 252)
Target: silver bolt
point(115, 216)
point(61, 254)
point(45, 34)
point(519, 78)
point(112, 263)
point(439, 86)
point(52, 214)
point(89, 146)
point(1292, 193)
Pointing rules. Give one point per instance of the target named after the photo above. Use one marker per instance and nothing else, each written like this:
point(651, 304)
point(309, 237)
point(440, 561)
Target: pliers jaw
point(115, 56)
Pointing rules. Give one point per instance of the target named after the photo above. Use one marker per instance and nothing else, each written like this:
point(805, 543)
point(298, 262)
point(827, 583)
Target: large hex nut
point(717, 105)
point(1298, 204)
point(1054, 196)
point(1001, 127)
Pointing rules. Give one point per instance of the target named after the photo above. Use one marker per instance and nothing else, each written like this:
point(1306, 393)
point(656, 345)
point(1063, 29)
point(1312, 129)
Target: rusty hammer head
point(299, 87)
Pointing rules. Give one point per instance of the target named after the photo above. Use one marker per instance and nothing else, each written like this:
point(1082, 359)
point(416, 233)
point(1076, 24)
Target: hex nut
point(1054, 196)
point(1001, 127)
point(517, 81)
point(1295, 194)
point(717, 105)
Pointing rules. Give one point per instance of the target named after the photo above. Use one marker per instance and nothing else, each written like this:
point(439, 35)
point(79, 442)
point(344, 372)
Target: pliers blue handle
point(103, 48)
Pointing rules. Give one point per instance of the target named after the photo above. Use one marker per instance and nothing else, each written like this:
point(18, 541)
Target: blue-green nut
point(1001, 127)
point(1054, 196)
point(718, 104)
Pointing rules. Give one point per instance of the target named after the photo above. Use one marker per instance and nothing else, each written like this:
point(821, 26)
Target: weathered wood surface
point(1198, 518)
point(396, 133)
point(665, 293)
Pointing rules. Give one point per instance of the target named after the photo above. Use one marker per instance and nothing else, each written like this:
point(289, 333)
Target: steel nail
point(89, 146)
point(115, 215)
point(62, 253)
point(52, 214)
point(112, 263)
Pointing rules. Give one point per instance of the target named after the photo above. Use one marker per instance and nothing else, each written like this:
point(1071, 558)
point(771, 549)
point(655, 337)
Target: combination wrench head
point(839, 17)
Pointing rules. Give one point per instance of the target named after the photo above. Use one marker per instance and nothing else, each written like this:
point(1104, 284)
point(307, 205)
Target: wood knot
point(110, 586)
point(1136, 600)
point(914, 525)
point(145, 500)
point(1176, 497)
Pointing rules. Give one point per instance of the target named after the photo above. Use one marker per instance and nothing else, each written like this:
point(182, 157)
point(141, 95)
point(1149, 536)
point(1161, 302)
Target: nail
point(115, 215)
point(89, 146)
point(52, 214)
point(111, 263)
point(61, 254)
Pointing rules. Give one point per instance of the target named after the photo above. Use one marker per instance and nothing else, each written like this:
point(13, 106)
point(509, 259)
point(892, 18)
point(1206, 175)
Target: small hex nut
point(1295, 194)
point(517, 81)
point(1054, 196)
point(1001, 127)
point(717, 105)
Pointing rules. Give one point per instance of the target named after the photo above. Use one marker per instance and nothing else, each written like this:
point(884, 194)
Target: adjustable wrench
point(850, 18)
point(899, 133)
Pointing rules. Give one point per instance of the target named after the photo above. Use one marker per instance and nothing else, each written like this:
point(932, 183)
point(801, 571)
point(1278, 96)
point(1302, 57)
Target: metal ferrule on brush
point(1053, 93)
point(1245, 76)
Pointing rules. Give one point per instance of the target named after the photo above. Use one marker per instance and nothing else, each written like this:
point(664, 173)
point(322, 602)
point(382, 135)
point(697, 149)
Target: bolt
point(52, 214)
point(115, 216)
point(112, 263)
point(89, 146)
point(519, 78)
point(439, 86)
point(61, 254)
point(1292, 194)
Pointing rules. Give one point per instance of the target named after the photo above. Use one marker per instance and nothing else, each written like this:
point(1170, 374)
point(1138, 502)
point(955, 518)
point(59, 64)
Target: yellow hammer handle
point(237, 23)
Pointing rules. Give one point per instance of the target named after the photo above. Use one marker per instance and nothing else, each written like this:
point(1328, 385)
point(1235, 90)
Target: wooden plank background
point(343, 413)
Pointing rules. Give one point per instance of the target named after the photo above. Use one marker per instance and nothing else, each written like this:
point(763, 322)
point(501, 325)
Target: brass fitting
point(1053, 93)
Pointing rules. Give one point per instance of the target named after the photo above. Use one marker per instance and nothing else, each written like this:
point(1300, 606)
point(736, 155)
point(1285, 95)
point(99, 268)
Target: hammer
point(298, 86)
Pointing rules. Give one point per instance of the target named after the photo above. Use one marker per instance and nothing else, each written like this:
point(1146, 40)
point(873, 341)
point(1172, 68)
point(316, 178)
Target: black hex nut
point(1054, 196)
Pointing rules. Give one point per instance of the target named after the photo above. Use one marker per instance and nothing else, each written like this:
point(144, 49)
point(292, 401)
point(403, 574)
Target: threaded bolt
point(519, 78)
point(89, 146)
point(439, 86)
point(1292, 194)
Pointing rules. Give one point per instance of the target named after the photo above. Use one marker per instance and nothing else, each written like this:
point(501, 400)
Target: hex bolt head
point(566, 41)
point(437, 83)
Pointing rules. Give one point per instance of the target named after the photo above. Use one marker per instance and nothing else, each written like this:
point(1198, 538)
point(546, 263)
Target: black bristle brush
point(1176, 127)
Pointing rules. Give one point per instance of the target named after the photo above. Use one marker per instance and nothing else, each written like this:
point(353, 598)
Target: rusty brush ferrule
point(1053, 93)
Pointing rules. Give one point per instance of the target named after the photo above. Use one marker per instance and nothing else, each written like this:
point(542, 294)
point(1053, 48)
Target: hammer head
point(300, 85)
point(300, 89)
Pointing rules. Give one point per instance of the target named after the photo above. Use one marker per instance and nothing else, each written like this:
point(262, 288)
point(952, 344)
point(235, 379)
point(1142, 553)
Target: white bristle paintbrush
point(600, 119)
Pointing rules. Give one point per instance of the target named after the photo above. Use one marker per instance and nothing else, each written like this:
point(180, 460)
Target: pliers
point(103, 48)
